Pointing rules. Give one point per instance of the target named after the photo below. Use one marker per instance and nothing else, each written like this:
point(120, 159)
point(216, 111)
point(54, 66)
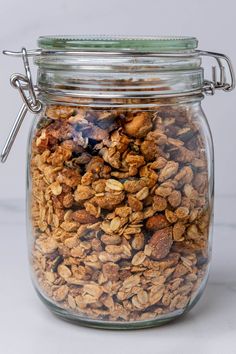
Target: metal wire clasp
point(23, 83)
point(210, 86)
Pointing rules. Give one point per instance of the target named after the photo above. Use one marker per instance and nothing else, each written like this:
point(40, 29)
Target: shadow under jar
point(120, 180)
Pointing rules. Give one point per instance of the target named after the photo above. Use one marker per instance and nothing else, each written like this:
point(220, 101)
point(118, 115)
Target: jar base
point(120, 325)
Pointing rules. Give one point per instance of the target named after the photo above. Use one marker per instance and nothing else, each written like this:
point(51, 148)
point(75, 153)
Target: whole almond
point(157, 222)
point(83, 217)
point(161, 242)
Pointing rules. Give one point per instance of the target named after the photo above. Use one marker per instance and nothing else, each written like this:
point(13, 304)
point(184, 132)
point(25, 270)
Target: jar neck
point(102, 77)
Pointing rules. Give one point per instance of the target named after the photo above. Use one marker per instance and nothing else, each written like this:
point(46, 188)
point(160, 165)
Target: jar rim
point(103, 43)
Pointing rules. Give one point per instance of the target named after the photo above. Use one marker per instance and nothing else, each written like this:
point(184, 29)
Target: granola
point(120, 210)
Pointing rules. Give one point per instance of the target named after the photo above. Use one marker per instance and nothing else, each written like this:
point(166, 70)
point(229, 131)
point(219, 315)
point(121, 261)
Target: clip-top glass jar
point(120, 176)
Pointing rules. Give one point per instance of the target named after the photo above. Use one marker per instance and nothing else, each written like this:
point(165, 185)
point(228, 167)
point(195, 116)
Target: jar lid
point(118, 43)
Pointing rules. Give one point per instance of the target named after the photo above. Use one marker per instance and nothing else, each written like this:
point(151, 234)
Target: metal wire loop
point(24, 83)
point(221, 84)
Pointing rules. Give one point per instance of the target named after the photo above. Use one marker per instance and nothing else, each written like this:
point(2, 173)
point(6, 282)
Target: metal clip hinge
point(211, 85)
point(23, 83)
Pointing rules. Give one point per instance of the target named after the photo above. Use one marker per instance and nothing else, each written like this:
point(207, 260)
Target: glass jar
point(120, 177)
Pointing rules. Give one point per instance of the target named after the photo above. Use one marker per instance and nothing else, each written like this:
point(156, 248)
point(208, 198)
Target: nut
point(157, 222)
point(161, 242)
point(83, 217)
point(139, 126)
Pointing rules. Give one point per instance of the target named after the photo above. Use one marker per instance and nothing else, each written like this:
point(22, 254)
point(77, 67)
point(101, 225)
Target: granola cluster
point(120, 210)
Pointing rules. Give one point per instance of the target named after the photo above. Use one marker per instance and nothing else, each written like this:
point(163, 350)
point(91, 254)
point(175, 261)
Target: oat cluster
point(120, 210)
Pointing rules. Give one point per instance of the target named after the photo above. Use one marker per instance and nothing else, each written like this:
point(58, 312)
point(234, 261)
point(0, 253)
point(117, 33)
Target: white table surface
point(27, 327)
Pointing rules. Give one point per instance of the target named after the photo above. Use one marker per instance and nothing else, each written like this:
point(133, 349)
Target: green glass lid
point(118, 43)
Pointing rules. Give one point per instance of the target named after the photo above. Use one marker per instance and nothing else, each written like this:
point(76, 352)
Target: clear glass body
point(120, 209)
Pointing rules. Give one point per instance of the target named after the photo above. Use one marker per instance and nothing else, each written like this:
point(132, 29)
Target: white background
point(26, 327)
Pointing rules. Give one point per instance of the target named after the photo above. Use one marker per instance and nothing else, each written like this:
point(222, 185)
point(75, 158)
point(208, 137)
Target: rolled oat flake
point(120, 175)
